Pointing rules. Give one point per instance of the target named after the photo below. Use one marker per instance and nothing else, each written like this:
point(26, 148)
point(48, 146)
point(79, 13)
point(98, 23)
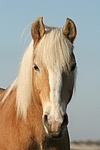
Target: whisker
point(26, 39)
point(25, 30)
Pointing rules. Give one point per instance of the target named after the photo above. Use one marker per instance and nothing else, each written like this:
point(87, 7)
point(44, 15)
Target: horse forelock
point(52, 50)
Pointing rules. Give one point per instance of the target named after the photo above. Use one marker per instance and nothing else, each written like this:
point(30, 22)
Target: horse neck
point(34, 118)
point(32, 125)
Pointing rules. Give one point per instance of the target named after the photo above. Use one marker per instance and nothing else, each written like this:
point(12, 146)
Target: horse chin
point(55, 135)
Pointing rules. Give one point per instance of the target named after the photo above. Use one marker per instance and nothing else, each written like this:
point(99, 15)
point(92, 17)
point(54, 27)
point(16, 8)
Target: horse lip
point(56, 135)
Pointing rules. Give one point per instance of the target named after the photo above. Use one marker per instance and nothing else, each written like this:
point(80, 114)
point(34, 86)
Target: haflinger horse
point(33, 108)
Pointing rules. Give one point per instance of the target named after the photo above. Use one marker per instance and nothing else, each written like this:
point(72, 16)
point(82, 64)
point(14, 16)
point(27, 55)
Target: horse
point(33, 109)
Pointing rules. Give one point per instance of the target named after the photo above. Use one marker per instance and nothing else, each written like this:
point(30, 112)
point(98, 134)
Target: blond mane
point(53, 50)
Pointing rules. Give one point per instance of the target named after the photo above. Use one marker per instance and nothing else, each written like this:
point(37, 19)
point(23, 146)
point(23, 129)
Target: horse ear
point(37, 29)
point(69, 30)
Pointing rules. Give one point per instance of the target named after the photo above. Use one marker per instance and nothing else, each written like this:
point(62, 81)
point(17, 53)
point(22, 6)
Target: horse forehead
point(55, 79)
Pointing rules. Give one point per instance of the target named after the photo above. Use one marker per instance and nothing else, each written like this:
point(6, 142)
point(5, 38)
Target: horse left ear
point(37, 29)
point(69, 30)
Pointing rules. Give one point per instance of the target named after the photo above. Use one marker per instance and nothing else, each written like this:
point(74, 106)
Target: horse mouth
point(57, 134)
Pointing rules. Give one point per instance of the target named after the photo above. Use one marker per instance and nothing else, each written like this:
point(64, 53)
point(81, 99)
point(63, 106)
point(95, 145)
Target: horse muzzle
point(53, 128)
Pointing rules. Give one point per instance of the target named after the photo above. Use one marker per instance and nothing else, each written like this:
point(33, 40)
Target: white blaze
point(55, 81)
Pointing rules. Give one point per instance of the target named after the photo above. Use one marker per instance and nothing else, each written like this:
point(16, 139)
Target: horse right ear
point(37, 30)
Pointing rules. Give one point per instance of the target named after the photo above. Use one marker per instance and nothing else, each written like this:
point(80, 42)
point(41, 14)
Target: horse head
point(53, 73)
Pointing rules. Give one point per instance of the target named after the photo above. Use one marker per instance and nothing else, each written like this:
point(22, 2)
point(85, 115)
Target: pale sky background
point(84, 108)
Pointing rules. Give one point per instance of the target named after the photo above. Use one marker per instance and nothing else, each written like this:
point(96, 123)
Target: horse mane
point(53, 50)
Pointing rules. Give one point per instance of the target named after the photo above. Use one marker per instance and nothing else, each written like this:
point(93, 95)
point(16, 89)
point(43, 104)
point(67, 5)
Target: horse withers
point(33, 108)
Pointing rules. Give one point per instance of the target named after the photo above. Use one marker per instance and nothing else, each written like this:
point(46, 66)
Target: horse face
point(55, 118)
point(53, 86)
point(53, 90)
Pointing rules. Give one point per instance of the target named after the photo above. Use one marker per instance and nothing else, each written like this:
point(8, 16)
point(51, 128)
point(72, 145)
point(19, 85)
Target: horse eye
point(36, 67)
point(73, 67)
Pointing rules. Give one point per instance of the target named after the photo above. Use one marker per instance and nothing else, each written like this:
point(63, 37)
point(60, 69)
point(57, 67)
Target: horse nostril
point(65, 121)
point(45, 120)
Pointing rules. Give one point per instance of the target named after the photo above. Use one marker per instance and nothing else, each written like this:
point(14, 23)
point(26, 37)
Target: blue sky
point(84, 109)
